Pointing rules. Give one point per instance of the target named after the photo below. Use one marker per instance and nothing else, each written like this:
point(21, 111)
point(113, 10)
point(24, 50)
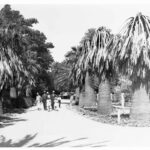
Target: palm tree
point(61, 73)
point(134, 60)
point(80, 74)
point(13, 29)
point(11, 62)
point(88, 36)
point(89, 95)
point(71, 59)
point(77, 76)
point(102, 66)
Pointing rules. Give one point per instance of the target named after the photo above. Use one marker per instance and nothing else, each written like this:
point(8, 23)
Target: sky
point(64, 24)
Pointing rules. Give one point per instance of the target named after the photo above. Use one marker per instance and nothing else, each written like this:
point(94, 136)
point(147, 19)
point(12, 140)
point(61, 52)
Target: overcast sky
point(65, 24)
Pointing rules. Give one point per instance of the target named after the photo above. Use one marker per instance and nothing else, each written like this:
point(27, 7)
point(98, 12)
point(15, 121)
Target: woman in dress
point(38, 101)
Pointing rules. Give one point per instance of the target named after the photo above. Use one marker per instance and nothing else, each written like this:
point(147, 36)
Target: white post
point(111, 97)
point(122, 100)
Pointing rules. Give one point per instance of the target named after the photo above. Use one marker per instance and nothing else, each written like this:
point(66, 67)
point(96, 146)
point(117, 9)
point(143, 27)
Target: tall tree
point(134, 58)
point(102, 66)
point(81, 74)
point(24, 51)
point(11, 33)
point(42, 61)
point(90, 95)
point(75, 73)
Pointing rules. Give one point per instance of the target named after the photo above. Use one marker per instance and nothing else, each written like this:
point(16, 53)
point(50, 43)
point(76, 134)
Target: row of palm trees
point(101, 55)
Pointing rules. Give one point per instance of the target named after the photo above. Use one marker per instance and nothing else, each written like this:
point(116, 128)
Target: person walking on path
point(48, 101)
point(59, 101)
point(44, 99)
point(38, 101)
point(52, 100)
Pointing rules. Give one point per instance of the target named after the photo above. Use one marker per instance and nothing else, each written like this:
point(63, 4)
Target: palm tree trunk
point(104, 100)
point(82, 98)
point(13, 96)
point(1, 108)
point(140, 110)
point(13, 93)
point(28, 90)
point(77, 94)
point(89, 93)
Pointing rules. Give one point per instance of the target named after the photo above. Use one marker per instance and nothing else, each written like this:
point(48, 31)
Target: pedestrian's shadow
point(9, 143)
point(56, 109)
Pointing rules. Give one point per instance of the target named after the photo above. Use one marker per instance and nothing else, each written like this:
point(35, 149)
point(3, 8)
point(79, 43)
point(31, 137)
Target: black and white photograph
point(74, 74)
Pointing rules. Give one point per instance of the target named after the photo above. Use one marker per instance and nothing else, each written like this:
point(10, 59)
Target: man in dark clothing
point(44, 99)
point(52, 100)
point(59, 100)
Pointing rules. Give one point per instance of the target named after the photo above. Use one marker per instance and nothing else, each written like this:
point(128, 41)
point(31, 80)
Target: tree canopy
point(25, 53)
point(131, 50)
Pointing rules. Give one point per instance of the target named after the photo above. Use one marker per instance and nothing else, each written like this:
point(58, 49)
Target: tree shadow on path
point(61, 141)
point(97, 144)
point(54, 143)
point(15, 110)
point(7, 121)
point(22, 142)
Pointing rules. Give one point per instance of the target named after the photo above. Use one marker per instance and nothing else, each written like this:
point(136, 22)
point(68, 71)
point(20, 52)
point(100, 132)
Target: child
point(48, 102)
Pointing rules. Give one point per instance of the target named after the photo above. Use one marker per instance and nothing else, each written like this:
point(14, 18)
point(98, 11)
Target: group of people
point(47, 101)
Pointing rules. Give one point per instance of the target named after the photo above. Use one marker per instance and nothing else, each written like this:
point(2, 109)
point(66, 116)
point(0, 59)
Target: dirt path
point(65, 128)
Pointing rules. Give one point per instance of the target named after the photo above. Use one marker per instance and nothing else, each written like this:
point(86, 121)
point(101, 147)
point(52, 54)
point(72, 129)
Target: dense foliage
point(25, 56)
point(61, 72)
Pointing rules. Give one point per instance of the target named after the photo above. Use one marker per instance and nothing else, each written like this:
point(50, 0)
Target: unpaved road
point(65, 128)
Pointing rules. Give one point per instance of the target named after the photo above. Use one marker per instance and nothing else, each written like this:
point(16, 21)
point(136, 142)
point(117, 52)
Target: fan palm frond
point(98, 54)
point(135, 51)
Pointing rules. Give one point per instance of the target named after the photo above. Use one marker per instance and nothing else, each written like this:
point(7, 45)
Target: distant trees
point(61, 73)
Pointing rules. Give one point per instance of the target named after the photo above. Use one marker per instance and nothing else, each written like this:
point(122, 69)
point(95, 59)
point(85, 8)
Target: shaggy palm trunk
point(87, 96)
point(13, 93)
point(89, 93)
point(28, 91)
point(13, 96)
point(104, 99)
point(77, 94)
point(1, 108)
point(140, 110)
point(82, 98)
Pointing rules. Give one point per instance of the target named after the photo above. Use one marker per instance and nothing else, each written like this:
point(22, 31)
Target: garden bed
point(92, 114)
